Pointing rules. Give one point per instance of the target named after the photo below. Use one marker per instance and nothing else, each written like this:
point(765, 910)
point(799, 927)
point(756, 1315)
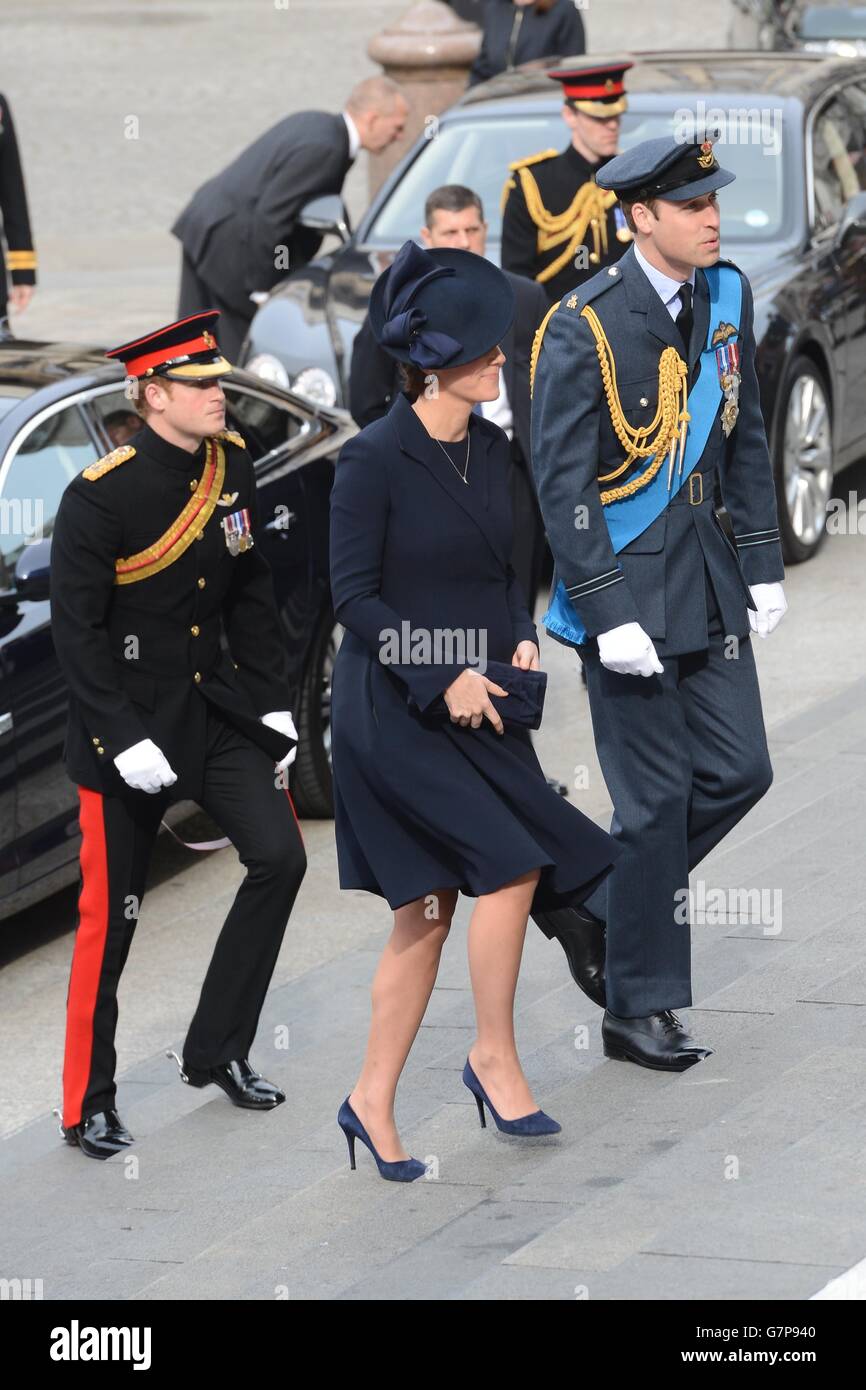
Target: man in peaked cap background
point(558, 224)
point(657, 600)
point(153, 560)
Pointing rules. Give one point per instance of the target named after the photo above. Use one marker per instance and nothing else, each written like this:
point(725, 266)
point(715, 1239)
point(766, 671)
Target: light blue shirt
point(668, 290)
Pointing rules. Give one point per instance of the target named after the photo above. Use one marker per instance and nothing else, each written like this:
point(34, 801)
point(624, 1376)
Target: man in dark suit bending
point(241, 232)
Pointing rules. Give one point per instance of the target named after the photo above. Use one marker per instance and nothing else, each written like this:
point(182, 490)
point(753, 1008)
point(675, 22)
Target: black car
point(793, 128)
point(62, 407)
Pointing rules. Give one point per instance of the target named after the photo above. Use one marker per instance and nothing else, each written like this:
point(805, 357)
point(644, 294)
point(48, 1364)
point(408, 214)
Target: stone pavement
point(740, 1179)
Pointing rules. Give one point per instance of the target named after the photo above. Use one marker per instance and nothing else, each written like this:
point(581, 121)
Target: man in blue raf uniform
point(559, 224)
point(645, 401)
point(153, 561)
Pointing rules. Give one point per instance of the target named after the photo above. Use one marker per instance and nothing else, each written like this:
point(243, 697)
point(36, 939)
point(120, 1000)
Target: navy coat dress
point(423, 804)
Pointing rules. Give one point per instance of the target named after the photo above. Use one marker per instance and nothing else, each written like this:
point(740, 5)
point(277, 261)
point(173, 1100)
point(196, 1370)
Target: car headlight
point(269, 368)
point(316, 385)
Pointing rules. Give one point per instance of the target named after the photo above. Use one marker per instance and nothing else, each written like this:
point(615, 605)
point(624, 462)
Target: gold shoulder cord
point(670, 421)
point(588, 208)
point(184, 529)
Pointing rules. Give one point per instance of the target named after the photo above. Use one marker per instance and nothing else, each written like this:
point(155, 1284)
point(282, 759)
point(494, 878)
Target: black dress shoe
point(100, 1135)
point(242, 1085)
point(659, 1041)
point(582, 938)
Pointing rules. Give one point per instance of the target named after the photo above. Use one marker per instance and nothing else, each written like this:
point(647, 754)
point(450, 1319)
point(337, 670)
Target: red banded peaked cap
point(186, 349)
point(597, 91)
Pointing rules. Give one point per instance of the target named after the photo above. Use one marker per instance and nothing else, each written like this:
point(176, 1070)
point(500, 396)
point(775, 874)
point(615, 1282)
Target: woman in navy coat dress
point(428, 807)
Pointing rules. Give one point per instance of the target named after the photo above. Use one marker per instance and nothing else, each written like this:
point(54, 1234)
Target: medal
point(728, 367)
point(237, 531)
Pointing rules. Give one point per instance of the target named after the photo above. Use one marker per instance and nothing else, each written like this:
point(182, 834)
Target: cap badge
point(209, 339)
point(706, 158)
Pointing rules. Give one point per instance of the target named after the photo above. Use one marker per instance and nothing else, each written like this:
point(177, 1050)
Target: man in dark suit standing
point(19, 261)
point(241, 232)
point(454, 217)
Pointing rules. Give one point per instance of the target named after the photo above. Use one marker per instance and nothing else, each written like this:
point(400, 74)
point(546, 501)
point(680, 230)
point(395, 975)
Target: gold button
point(100, 749)
point(95, 742)
point(201, 583)
point(195, 629)
point(197, 677)
point(193, 485)
point(200, 536)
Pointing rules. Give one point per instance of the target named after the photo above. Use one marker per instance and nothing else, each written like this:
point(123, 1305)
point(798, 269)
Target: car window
point(48, 458)
point(266, 422)
point(477, 153)
point(117, 415)
point(838, 155)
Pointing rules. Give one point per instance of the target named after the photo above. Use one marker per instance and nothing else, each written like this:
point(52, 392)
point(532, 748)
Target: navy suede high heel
point(403, 1170)
point(535, 1123)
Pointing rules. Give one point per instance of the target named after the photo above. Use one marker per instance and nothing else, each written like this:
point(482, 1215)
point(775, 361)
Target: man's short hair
point(374, 94)
point(451, 197)
point(627, 210)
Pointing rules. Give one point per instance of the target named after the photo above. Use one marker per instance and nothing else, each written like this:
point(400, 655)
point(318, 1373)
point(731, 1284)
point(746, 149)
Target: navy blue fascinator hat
point(440, 308)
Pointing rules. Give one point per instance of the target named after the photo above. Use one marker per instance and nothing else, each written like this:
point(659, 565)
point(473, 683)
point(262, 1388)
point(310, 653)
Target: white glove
point(282, 721)
point(770, 601)
point(145, 767)
point(628, 651)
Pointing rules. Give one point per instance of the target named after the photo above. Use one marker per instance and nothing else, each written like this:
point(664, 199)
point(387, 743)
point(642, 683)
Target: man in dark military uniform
point(17, 256)
point(558, 225)
point(645, 402)
point(153, 561)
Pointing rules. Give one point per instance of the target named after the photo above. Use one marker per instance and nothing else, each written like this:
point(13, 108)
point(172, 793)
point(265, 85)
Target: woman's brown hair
point(412, 379)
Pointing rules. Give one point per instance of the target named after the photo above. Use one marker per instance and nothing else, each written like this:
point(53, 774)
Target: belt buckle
point(696, 501)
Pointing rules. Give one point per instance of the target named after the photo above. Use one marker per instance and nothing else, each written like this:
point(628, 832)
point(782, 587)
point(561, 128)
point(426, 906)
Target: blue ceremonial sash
point(630, 516)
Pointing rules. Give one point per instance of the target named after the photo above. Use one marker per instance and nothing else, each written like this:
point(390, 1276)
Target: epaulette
point(591, 289)
point(233, 438)
point(533, 159)
point(573, 303)
point(105, 465)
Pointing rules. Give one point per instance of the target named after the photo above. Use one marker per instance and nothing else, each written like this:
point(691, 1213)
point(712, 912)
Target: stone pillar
point(429, 51)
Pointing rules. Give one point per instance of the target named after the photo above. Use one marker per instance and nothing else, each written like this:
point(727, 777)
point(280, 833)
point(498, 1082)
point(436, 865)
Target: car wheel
point(803, 460)
point(312, 785)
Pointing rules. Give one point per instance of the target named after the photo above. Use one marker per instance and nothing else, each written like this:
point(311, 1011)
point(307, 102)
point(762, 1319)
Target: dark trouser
point(118, 834)
point(684, 756)
point(196, 296)
point(530, 541)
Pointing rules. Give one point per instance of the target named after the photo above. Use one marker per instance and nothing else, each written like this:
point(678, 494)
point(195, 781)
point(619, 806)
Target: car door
point(838, 157)
point(8, 796)
point(48, 452)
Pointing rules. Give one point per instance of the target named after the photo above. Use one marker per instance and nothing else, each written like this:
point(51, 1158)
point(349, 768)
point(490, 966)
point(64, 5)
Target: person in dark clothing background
point(17, 256)
point(241, 232)
point(518, 31)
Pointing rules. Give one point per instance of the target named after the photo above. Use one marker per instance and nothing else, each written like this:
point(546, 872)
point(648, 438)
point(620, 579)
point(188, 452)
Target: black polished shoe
point(659, 1041)
point(242, 1085)
point(100, 1135)
point(582, 938)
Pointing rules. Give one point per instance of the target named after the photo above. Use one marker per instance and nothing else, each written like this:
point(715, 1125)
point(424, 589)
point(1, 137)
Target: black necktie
point(685, 317)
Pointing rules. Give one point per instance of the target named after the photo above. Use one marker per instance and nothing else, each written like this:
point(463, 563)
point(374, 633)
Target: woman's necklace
point(462, 476)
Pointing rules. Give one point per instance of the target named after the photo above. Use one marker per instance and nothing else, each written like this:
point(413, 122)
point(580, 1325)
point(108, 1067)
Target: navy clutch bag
point(523, 706)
